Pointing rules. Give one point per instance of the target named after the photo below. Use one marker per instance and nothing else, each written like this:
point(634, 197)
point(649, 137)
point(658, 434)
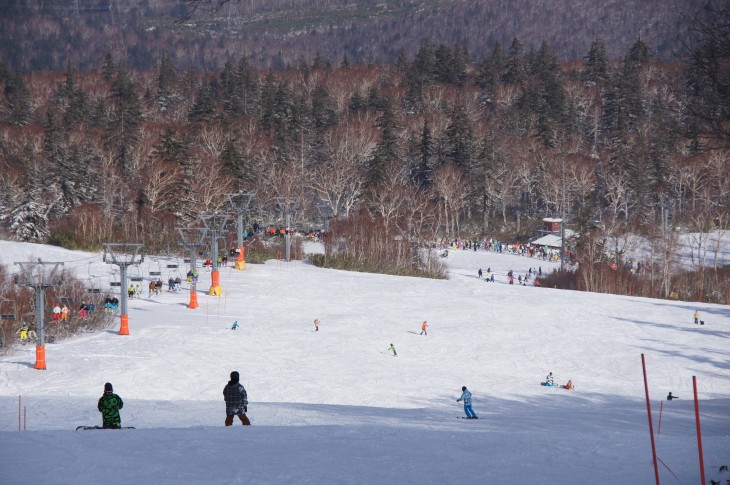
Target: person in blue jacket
point(466, 397)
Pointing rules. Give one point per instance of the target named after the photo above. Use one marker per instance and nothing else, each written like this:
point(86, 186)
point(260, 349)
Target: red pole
point(24, 419)
point(651, 427)
point(699, 433)
point(659, 431)
point(18, 413)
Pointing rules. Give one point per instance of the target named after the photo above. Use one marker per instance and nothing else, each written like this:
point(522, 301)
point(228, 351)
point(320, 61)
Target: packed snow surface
point(336, 407)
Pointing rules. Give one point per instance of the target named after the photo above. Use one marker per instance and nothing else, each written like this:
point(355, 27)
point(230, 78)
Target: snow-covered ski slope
point(334, 407)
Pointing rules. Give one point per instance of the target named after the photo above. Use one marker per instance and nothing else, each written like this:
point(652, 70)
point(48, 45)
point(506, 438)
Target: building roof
point(552, 240)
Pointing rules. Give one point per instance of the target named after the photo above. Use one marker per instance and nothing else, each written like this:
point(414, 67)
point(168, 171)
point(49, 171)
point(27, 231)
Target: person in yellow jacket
point(697, 317)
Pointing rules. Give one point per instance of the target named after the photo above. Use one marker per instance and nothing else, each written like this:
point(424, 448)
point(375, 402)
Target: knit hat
point(234, 377)
point(463, 388)
point(108, 387)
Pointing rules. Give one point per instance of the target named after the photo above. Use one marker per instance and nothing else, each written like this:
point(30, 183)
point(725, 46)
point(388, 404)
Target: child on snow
point(548, 380)
point(466, 397)
point(235, 325)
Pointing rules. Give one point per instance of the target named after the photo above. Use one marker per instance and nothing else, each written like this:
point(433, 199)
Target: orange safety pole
point(659, 431)
point(40, 357)
point(241, 261)
point(651, 427)
point(18, 413)
point(215, 286)
point(193, 299)
point(124, 327)
point(699, 432)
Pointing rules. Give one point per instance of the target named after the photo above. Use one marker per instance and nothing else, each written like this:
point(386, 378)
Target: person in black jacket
point(109, 406)
point(236, 400)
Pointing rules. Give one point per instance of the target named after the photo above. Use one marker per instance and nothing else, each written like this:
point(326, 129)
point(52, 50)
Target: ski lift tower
point(193, 238)
point(216, 225)
point(326, 213)
point(123, 255)
point(35, 275)
point(288, 204)
point(239, 203)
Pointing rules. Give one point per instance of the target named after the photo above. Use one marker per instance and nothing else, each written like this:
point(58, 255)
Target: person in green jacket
point(109, 406)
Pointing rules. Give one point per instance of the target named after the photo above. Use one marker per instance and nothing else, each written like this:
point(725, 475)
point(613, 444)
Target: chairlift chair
point(137, 276)
point(8, 310)
point(94, 285)
point(158, 273)
point(114, 280)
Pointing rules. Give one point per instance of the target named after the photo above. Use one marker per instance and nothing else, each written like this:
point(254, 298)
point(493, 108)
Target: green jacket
point(109, 406)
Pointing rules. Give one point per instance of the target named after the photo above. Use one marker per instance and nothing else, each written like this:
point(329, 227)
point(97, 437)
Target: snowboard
point(471, 419)
point(100, 427)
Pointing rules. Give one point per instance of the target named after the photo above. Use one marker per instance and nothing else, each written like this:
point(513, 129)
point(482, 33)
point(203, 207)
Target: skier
point(491, 278)
point(423, 328)
point(670, 397)
point(130, 291)
point(57, 312)
point(235, 325)
point(392, 347)
point(236, 400)
point(64, 312)
point(466, 397)
point(83, 310)
point(480, 273)
point(109, 406)
point(316, 324)
point(697, 317)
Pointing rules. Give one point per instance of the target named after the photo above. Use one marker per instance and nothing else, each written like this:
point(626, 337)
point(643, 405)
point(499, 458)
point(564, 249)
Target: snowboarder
point(569, 386)
point(466, 397)
point(236, 400)
point(491, 278)
point(392, 347)
point(316, 324)
point(697, 317)
point(670, 397)
point(423, 328)
point(548, 380)
point(109, 406)
point(480, 273)
point(235, 325)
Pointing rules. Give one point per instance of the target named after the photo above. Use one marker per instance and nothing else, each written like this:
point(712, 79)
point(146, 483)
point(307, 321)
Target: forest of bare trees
point(437, 144)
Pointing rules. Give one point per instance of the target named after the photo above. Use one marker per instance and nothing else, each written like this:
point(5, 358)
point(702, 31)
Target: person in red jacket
point(423, 328)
